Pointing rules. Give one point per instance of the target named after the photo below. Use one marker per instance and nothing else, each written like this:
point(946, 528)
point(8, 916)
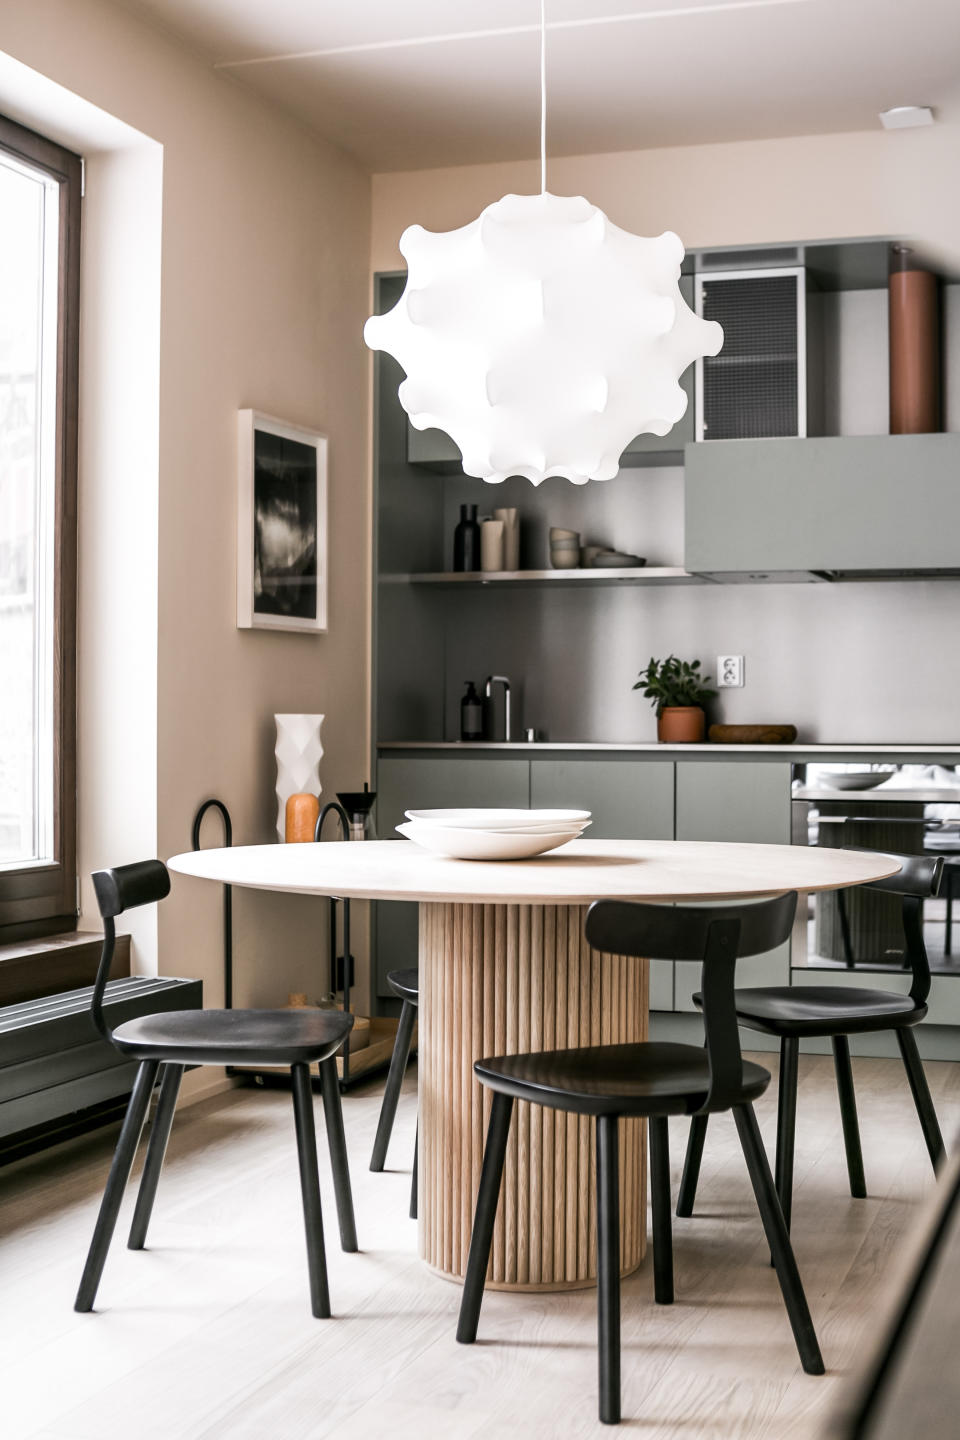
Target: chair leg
point(391, 1093)
point(156, 1150)
point(310, 1189)
point(130, 1132)
point(778, 1238)
point(413, 1182)
point(336, 1141)
point(608, 1266)
point(787, 1123)
point(921, 1096)
point(660, 1206)
point(948, 937)
point(848, 1114)
point(491, 1175)
point(691, 1166)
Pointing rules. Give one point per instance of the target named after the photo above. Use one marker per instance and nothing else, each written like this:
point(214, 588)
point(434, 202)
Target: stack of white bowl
point(493, 834)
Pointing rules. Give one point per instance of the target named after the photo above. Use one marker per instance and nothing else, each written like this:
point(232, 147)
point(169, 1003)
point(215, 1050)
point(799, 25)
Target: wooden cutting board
point(752, 734)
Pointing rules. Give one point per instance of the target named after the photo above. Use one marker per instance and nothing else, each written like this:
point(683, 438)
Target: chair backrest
point(918, 879)
point(124, 888)
point(681, 932)
point(714, 935)
point(919, 875)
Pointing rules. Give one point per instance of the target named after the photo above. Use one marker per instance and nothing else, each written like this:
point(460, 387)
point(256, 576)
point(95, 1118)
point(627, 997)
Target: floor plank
point(207, 1334)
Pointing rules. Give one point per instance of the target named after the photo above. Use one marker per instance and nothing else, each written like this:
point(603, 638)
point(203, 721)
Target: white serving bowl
point(483, 819)
point(482, 844)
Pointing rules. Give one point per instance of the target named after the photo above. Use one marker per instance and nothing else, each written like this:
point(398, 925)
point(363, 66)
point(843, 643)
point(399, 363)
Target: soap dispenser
point(471, 714)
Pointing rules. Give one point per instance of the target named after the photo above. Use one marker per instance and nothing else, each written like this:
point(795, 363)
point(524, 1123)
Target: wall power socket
point(729, 671)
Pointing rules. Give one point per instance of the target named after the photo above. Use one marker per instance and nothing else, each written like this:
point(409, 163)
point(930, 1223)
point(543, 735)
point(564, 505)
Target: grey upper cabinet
point(734, 800)
point(433, 448)
point(856, 503)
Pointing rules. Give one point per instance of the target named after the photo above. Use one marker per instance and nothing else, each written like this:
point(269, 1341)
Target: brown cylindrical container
point(300, 818)
point(914, 348)
point(681, 725)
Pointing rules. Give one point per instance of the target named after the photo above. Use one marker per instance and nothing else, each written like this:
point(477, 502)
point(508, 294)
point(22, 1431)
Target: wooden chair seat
point(643, 1079)
point(235, 1037)
point(810, 1010)
point(405, 984)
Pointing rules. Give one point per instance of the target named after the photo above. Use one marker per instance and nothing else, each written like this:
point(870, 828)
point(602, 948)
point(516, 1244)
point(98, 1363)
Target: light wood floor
point(208, 1333)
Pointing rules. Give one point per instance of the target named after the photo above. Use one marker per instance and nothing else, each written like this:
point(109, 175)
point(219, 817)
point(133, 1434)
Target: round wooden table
point(504, 967)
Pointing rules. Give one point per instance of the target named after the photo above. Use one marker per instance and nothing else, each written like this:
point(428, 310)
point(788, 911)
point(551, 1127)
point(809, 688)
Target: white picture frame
point(281, 525)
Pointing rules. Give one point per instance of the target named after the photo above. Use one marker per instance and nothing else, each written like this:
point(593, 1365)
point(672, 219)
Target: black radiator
point(54, 1064)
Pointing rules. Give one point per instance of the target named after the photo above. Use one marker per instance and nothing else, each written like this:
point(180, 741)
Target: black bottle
point(466, 540)
point(471, 709)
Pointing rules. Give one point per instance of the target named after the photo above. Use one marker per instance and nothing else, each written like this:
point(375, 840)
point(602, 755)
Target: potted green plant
point(678, 692)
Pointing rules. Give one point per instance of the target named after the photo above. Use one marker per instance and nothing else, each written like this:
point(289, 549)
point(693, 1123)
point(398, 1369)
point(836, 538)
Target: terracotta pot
point(681, 725)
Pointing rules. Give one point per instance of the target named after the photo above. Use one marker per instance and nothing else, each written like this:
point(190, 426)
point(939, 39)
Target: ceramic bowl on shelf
point(460, 844)
point(617, 560)
point(502, 819)
point(857, 779)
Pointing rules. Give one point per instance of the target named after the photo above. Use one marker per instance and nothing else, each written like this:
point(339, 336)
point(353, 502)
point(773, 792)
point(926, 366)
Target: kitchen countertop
point(799, 750)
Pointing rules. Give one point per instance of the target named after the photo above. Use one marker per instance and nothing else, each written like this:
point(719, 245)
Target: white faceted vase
point(298, 760)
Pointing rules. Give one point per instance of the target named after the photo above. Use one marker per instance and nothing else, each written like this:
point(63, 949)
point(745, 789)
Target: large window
point(39, 283)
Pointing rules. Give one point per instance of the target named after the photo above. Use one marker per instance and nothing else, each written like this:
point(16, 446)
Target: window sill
point(30, 969)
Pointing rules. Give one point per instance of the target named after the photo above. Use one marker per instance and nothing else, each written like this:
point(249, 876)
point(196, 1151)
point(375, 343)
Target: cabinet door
point(629, 800)
point(738, 800)
point(426, 784)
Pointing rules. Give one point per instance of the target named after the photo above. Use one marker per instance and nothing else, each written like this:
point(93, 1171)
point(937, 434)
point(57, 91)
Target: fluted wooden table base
point(500, 979)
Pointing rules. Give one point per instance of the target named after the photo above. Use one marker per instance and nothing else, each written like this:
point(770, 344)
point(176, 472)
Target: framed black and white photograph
point(281, 526)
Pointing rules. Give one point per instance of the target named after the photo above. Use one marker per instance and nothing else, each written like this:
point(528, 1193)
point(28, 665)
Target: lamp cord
point(543, 97)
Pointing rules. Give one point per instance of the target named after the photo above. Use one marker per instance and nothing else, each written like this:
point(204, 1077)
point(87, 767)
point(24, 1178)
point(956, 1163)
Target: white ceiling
point(622, 74)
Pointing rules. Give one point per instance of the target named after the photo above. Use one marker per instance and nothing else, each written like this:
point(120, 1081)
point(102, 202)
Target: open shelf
point(636, 575)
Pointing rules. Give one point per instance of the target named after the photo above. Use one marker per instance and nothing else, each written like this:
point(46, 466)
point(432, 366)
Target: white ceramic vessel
point(298, 752)
point(483, 819)
point(483, 844)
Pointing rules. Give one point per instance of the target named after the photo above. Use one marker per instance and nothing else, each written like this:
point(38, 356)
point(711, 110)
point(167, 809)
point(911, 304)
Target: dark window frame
point(42, 899)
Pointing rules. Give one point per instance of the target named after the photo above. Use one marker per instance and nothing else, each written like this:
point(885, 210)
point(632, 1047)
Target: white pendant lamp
point(541, 337)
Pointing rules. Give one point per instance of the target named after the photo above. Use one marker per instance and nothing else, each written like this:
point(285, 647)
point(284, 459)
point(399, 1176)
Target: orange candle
point(300, 818)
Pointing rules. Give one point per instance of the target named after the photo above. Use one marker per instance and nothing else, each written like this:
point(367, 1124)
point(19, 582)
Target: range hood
point(836, 508)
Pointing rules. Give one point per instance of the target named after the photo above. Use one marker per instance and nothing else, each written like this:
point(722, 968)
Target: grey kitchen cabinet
point(850, 504)
point(734, 800)
point(628, 801)
point(425, 784)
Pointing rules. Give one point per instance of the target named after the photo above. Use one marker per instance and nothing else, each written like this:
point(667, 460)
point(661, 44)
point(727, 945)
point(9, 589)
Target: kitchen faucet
point(488, 694)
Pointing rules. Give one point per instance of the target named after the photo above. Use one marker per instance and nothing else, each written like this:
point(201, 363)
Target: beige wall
point(264, 278)
point(875, 183)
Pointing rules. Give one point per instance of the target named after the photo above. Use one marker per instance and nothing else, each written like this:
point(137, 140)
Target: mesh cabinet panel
point(752, 388)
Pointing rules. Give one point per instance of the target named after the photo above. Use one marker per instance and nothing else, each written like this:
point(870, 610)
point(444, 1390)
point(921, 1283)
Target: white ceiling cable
point(543, 97)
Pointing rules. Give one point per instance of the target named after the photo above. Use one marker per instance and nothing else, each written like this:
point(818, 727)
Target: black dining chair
point(652, 1080)
point(406, 985)
point(796, 1012)
point(165, 1043)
